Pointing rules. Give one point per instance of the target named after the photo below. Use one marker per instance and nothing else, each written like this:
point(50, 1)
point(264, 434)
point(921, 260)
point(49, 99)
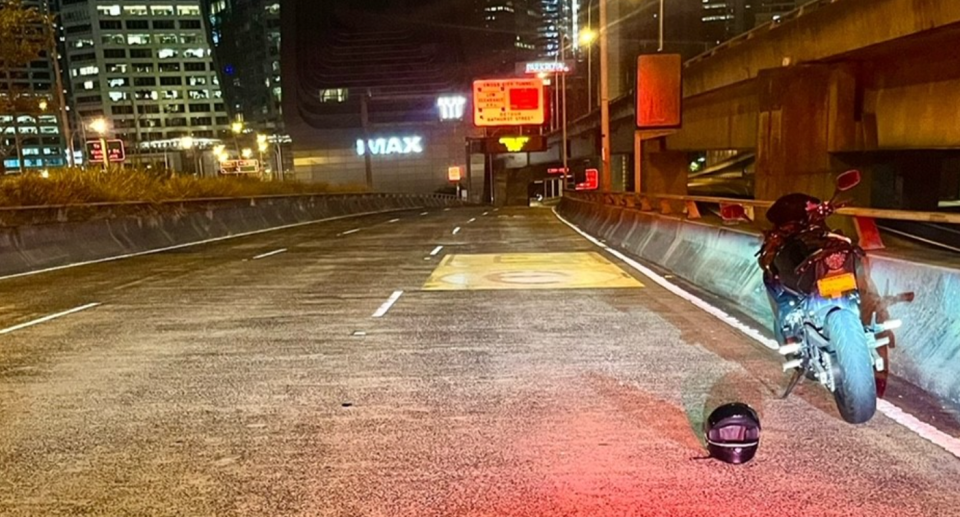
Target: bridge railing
point(736, 210)
point(804, 9)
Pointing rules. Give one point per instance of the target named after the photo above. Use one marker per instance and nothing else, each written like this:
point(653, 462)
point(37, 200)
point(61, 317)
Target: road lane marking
point(435, 251)
point(526, 271)
point(190, 244)
point(270, 254)
point(456, 230)
point(910, 422)
point(485, 213)
point(48, 318)
point(446, 209)
point(472, 220)
point(348, 232)
point(424, 213)
point(391, 221)
point(388, 304)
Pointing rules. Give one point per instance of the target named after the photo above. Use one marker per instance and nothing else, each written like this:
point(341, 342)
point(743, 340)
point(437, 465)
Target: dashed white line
point(435, 251)
point(48, 318)
point(446, 209)
point(456, 230)
point(270, 254)
point(912, 423)
point(387, 304)
point(485, 213)
point(424, 213)
point(348, 232)
point(472, 220)
point(391, 221)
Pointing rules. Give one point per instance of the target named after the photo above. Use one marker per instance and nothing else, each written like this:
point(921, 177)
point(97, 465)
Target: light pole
point(605, 174)
point(237, 128)
point(100, 127)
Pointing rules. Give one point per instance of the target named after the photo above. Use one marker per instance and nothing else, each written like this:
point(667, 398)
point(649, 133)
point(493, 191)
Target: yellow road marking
point(528, 271)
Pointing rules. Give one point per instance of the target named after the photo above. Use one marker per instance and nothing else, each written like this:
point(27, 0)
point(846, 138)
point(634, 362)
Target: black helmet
point(733, 433)
point(791, 208)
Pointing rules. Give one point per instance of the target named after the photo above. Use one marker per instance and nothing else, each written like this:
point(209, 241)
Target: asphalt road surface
point(499, 378)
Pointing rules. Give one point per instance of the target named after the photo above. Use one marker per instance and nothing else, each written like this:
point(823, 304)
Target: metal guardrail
point(864, 218)
point(804, 9)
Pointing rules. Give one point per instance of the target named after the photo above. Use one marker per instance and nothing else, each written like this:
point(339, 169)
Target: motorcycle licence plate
point(836, 286)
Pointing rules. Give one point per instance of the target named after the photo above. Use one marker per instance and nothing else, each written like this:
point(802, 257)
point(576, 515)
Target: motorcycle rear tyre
point(856, 393)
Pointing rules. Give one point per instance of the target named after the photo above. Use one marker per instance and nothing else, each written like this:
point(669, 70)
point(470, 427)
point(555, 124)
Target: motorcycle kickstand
point(797, 377)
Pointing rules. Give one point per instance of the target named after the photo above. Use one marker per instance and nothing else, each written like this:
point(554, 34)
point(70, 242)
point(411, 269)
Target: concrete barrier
point(721, 260)
point(39, 238)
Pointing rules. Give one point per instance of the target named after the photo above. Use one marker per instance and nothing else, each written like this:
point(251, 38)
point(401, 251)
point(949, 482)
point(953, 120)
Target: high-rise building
point(245, 35)
point(724, 19)
point(30, 94)
point(146, 68)
point(511, 31)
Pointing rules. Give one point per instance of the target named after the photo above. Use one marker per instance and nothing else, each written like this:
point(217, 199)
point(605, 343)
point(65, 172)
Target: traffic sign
point(515, 144)
point(659, 101)
point(508, 102)
point(453, 174)
point(115, 151)
point(592, 180)
point(240, 167)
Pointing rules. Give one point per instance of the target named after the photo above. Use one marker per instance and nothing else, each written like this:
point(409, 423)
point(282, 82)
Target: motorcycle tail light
point(836, 261)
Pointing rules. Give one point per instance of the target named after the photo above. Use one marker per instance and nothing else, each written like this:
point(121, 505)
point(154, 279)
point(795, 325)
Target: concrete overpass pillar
point(806, 113)
point(661, 171)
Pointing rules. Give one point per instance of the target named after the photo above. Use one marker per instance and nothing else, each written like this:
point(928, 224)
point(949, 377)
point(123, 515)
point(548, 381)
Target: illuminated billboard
point(659, 91)
point(508, 102)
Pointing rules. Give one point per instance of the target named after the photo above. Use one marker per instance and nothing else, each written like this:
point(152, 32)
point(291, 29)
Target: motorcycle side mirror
point(733, 212)
point(848, 180)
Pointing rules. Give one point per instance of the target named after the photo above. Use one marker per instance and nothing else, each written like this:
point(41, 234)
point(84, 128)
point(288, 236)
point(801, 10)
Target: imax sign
point(394, 145)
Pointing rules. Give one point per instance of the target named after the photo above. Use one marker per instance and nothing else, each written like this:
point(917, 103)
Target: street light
point(247, 153)
point(587, 37)
point(187, 142)
point(100, 126)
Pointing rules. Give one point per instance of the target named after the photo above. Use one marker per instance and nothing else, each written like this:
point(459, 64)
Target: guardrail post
point(870, 238)
point(692, 211)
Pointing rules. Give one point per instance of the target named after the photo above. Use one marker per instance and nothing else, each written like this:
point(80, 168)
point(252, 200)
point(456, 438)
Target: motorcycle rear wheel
point(856, 387)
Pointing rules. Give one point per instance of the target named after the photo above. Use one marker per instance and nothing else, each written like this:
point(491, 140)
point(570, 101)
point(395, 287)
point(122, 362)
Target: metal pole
point(54, 54)
point(563, 85)
point(660, 49)
point(590, 59)
point(605, 172)
point(365, 122)
point(106, 155)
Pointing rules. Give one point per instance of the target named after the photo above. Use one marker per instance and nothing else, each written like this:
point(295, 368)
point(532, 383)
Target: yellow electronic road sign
point(528, 271)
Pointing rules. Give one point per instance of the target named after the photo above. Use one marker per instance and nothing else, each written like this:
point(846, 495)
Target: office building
point(724, 19)
point(245, 37)
point(146, 68)
point(32, 89)
point(510, 34)
point(370, 97)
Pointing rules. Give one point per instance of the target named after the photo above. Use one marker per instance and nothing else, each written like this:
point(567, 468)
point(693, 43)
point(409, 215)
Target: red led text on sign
point(592, 181)
point(115, 151)
point(508, 102)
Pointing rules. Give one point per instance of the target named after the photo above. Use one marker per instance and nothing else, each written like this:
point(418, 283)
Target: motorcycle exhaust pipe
point(790, 365)
point(789, 349)
point(890, 325)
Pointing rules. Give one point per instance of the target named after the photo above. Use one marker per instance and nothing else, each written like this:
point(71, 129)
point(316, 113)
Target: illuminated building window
point(334, 95)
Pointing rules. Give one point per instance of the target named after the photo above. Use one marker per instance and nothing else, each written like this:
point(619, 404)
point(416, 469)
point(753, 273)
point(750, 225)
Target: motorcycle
point(811, 274)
